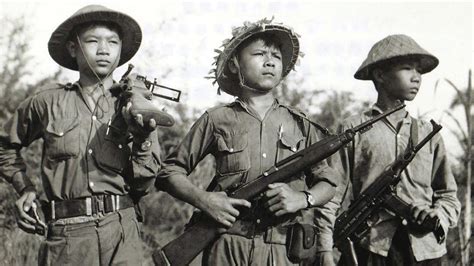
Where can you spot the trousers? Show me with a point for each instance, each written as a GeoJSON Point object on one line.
{"type": "Point", "coordinates": [113, 239]}
{"type": "Point", "coordinates": [238, 250]}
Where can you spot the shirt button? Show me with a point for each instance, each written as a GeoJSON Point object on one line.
{"type": "Point", "coordinates": [293, 149]}
{"type": "Point", "coordinates": [91, 184]}
{"type": "Point", "coordinates": [258, 221]}
{"type": "Point", "coordinates": [61, 134]}
{"type": "Point", "coordinates": [120, 146]}
{"type": "Point", "coordinates": [94, 117]}
{"type": "Point", "coordinates": [231, 149]}
{"type": "Point", "coordinates": [90, 151]}
{"type": "Point", "coordinates": [264, 155]}
{"type": "Point", "coordinates": [265, 173]}
{"type": "Point", "coordinates": [398, 136]}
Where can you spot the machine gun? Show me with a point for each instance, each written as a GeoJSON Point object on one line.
{"type": "Point", "coordinates": [140, 91]}
{"type": "Point", "coordinates": [186, 247]}
{"type": "Point", "coordinates": [353, 224]}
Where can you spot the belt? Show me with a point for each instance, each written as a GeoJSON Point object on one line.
{"type": "Point", "coordinates": [89, 206]}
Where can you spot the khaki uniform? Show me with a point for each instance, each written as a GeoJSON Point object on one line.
{"type": "Point", "coordinates": [82, 158]}
{"type": "Point", "coordinates": [244, 147]}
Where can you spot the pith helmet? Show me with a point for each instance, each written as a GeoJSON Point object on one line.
{"type": "Point", "coordinates": [131, 33]}
{"type": "Point", "coordinates": [290, 50]}
{"type": "Point", "coordinates": [395, 47]}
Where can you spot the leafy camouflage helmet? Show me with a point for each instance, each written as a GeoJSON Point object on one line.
{"type": "Point", "coordinates": [395, 47]}
{"type": "Point", "coordinates": [131, 33]}
{"type": "Point", "coordinates": [290, 51]}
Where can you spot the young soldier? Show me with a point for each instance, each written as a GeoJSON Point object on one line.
{"type": "Point", "coordinates": [89, 170]}
{"type": "Point", "coordinates": [247, 137]}
{"type": "Point", "coordinates": [395, 65]}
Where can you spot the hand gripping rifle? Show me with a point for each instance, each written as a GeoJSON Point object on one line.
{"type": "Point", "coordinates": [186, 247]}
{"type": "Point", "coordinates": [353, 224]}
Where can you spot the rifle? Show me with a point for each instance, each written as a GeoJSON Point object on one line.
{"type": "Point", "coordinates": [352, 225]}
{"type": "Point", "coordinates": [186, 247]}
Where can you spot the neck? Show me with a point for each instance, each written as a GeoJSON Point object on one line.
{"type": "Point", "coordinates": [386, 103]}
{"type": "Point", "coordinates": [90, 84]}
{"type": "Point", "coordinates": [258, 102]}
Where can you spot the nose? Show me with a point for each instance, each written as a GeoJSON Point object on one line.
{"type": "Point", "coordinates": [416, 76]}
{"type": "Point", "coordinates": [103, 48]}
{"type": "Point", "coordinates": [269, 62]}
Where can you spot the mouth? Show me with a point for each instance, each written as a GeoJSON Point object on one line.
{"type": "Point", "coordinates": [102, 62]}
{"type": "Point", "coordinates": [269, 74]}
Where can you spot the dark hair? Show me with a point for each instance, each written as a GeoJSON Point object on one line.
{"type": "Point", "coordinates": [78, 29]}
{"type": "Point", "coordinates": [269, 39]}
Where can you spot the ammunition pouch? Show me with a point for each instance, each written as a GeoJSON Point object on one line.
{"type": "Point", "coordinates": [300, 242]}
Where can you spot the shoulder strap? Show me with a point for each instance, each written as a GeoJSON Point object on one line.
{"type": "Point", "coordinates": [302, 116]}
{"type": "Point", "coordinates": [413, 133]}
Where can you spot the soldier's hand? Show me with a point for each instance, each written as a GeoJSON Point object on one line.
{"type": "Point", "coordinates": [420, 213]}
{"type": "Point", "coordinates": [282, 199]}
{"type": "Point", "coordinates": [23, 206]}
{"type": "Point", "coordinates": [222, 208]}
{"type": "Point", "coordinates": [137, 126]}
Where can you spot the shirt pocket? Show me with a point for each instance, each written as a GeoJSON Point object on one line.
{"type": "Point", "coordinates": [62, 139]}
{"type": "Point", "coordinates": [289, 145]}
{"type": "Point", "coordinates": [232, 153]}
{"type": "Point", "coordinates": [112, 155]}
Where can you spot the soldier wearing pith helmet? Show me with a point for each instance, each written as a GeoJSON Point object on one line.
{"type": "Point", "coordinates": [395, 65]}
{"type": "Point", "coordinates": [247, 137]}
{"type": "Point", "coordinates": [92, 174]}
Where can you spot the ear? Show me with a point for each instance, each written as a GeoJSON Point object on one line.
{"type": "Point", "coordinates": [378, 75]}
{"type": "Point", "coordinates": [71, 48]}
{"type": "Point", "coordinates": [232, 65]}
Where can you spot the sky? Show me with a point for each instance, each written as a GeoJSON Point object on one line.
{"type": "Point", "coordinates": [179, 38]}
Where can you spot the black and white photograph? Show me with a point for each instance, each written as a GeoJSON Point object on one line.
{"type": "Point", "coordinates": [239, 132]}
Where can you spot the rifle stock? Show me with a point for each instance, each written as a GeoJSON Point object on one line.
{"type": "Point", "coordinates": [354, 223]}
{"type": "Point", "coordinates": [186, 247]}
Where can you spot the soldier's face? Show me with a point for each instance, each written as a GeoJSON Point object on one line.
{"type": "Point", "coordinates": [402, 81]}
{"type": "Point", "coordinates": [97, 48]}
{"type": "Point", "coordinates": [261, 66]}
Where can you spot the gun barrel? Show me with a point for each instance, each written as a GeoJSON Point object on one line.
{"type": "Point", "coordinates": [377, 194]}
{"type": "Point", "coordinates": [369, 123]}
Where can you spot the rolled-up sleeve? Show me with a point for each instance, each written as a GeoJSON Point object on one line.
{"type": "Point", "coordinates": [321, 171]}
{"type": "Point", "coordinates": [192, 149]}
{"type": "Point", "coordinates": [145, 163]}
{"type": "Point", "coordinates": [18, 132]}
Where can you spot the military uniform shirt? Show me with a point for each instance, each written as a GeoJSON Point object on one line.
{"type": "Point", "coordinates": [427, 181]}
{"type": "Point", "coordinates": [82, 155]}
{"type": "Point", "coordinates": [245, 146]}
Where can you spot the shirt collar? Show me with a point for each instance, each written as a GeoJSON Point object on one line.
{"type": "Point", "coordinates": [376, 110]}
{"type": "Point", "coordinates": [244, 105]}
